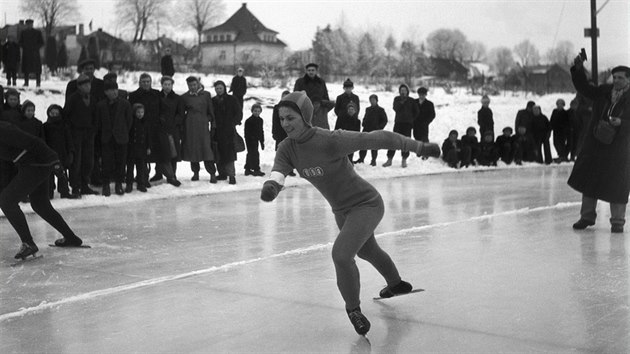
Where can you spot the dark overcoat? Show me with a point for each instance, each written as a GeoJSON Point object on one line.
{"type": "Point", "coordinates": [58, 137]}
{"type": "Point", "coordinates": [114, 120]}
{"type": "Point", "coordinates": [150, 99]}
{"type": "Point", "coordinates": [375, 119]}
{"type": "Point", "coordinates": [31, 41]}
{"type": "Point", "coordinates": [10, 56]}
{"type": "Point", "coordinates": [172, 119]}
{"type": "Point", "coordinates": [602, 171]}
{"type": "Point", "coordinates": [228, 114]}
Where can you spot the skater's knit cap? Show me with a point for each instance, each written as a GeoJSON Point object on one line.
{"type": "Point", "coordinates": [621, 68]}
{"type": "Point", "coordinates": [299, 102]}
{"type": "Point", "coordinates": [348, 83]}
{"type": "Point", "coordinates": [27, 104]}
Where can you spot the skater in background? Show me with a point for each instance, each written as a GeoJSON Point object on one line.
{"type": "Point", "coordinates": [320, 156]}
{"type": "Point", "coordinates": [59, 139]}
{"type": "Point", "coordinates": [12, 113]}
{"type": "Point", "coordinates": [453, 152]}
{"type": "Point", "coordinates": [35, 161]}
{"type": "Point", "coordinates": [541, 133]}
{"type": "Point", "coordinates": [484, 117]}
{"type": "Point", "coordinates": [425, 115]}
{"type": "Point", "coordinates": [238, 86]}
{"type": "Point", "coordinates": [254, 134]}
{"type": "Point", "coordinates": [406, 113]}
{"type": "Point", "coordinates": [277, 132]}
{"type": "Point", "coordinates": [505, 145]}
{"type": "Point", "coordinates": [375, 119]}
{"type": "Point", "coordinates": [561, 128]}
{"type": "Point", "coordinates": [602, 168]}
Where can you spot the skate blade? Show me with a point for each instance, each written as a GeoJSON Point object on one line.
{"type": "Point", "coordinates": [26, 259]}
{"type": "Point", "coordinates": [82, 246]}
{"type": "Point", "coordinates": [411, 292]}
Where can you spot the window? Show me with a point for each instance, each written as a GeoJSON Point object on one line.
{"type": "Point", "coordinates": [229, 37]}
{"type": "Point", "coordinates": [222, 38]}
{"type": "Point", "coordinates": [222, 55]}
{"type": "Point", "coordinates": [215, 38]}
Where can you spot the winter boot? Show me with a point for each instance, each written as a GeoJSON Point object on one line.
{"type": "Point", "coordinates": [221, 177]}
{"type": "Point", "coordinates": [360, 160]}
{"type": "Point", "coordinates": [85, 190]}
{"type": "Point", "coordinates": [583, 224]}
{"type": "Point", "coordinates": [173, 182]}
{"type": "Point", "coordinates": [404, 162]}
{"type": "Point", "coordinates": [157, 177]}
{"type": "Point", "coordinates": [616, 229]}
{"type": "Point", "coordinates": [142, 188]}
{"type": "Point", "coordinates": [195, 176]}
{"type": "Point", "coordinates": [401, 288]}
{"type": "Point", "coordinates": [248, 172]}
{"type": "Point", "coordinates": [373, 163]}
{"type": "Point", "coordinates": [73, 241]}
{"type": "Point", "coordinates": [129, 187]}
{"type": "Point", "coordinates": [118, 188]}
{"type": "Point", "coordinates": [26, 250]}
{"type": "Point", "coordinates": [388, 162]}
{"type": "Point", "coordinates": [258, 173]}
{"type": "Point", "coordinates": [213, 179]}
{"type": "Point", "coordinates": [232, 180]}
{"type": "Point", "coordinates": [106, 190]}
{"type": "Point", "coordinates": [359, 321]}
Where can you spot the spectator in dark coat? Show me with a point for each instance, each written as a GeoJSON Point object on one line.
{"type": "Point", "coordinates": [51, 54]}
{"type": "Point", "coordinates": [59, 139]}
{"type": "Point", "coordinates": [575, 128]}
{"type": "Point", "coordinates": [541, 133]}
{"type": "Point", "coordinates": [62, 55]}
{"type": "Point", "coordinates": [349, 121]}
{"type": "Point", "coordinates": [28, 122]}
{"type": "Point", "coordinates": [453, 153]}
{"type": "Point", "coordinates": [113, 77]}
{"type": "Point", "coordinates": [87, 67]}
{"type": "Point", "coordinates": [602, 170]}
{"type": "Point", "coordinates": [170, 123]}
{"type": "Point", "coordinates": [505, 145]}
{"type": "Point", "coordinates": [10, 60]}
{"type": "Point", "coordinates": [316, 90]}
{"type": "Point", "coordinates": [139, 150]}
{"type": "Point", "coordinates": [341, 103]}
{"type": "Point", "coordinates": [375, 119]}
{"type": "Point", "coordinates": [113, 116]}
{"type": "Point", "coordinates": [524, 118]}
{"type": "Point", "coordinates": [484, 117]}
{"type": "Point", "coordinates": [166, 63]}
{"type": "Point", "coordinates": [150, 100]}
{"type": "Point", "coordinates": [470, 141]}
{"type": "Point", "coordinates": [277, 132]}
{"type": "Point", "coordinates": [524, 147]}
{"type": "Point", "coordinates": [238, 86]}
{"type": "Point", "coordinates": [488, 152]}
{"type": "Point", "coordinates": [406, 110]}
{"type": "Point", "coordinates": [254, 135]}
{"type": "Point", "coordinates": [79, 114]}
{"type": "Point", "coordinates": [426, 114]}
{"type": "Point", "coordinates": [228, 114]}
{"type": "Point", "coordinates": [561, 128]}
{"type": "Point", "coordinates": [31, 41]}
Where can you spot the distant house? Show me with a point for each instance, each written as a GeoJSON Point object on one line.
{"type": "Point", "coordinates": [548, 79]}
{"type": "Point", "coordinates": [242, 40]}
{"type": "Point", "coordinates": [149, 53]}
{"type": "Point", "coordinates": [112, 51]}
{"type": "Point", "coordinates": [447, 69]}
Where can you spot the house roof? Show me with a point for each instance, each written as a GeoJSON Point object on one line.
{"type": "Point", "coordinates": [246, 26]}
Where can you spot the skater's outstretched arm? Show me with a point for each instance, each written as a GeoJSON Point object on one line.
{"type": "Point", "coordinates": [272, 186]}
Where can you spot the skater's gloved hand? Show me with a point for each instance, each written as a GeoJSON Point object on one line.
{"type": "Point", "coordinates": [270, 190]}
{"type": "Point", "coordinates": [429, 150]}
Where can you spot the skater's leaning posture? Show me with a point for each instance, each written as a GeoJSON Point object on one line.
{"type": "Point", "coordinates": [35, 161]}
{"type": "Point", "coordinates": [321, 157]}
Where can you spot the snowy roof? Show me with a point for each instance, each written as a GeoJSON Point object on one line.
{"type": "Point", "coordinates": [246, 26]}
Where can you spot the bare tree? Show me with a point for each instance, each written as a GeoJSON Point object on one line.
{"type": "Point", "coordinates": [50, 12]}
{"type": "Point", "coordinates": [501, 60]}
{"type": "Point", "coordinates": [390, 47]}
{"type": "Point", "coordinates": [447, 44]}
{"type": "Point", "coordinates": [527, 53]}
{"type": "Point", "coordinates": [139, 14]}
{"type": "Point", "coordinates": [562, 53]}
{"type": "Point", "coordinates": [475, 51]}
{"type": "Point", "coordinates": [200, 14]}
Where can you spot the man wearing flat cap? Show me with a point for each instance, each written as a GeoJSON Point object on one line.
{"type": "Point", "coordinates": [316, 90]}
{"type": "Point", "coordinates": [31, 41]}
{"type": "Point", "coordinates": [602, 169]}
{"type": "Point", "coordinates": [87, 67]}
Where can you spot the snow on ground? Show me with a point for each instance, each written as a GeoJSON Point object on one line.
{"type": "Point", "coordinates": [454, 111]}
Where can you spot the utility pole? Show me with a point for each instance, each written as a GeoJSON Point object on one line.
{"type": "Point", "coordinates": [594, 34]}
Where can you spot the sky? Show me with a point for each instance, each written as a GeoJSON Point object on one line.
{"type": "Point", "coordinates": [492, 22]}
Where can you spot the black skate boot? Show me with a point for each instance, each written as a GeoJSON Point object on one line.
{"type": "Point", "coordinates": [401, 288]}
{"type": "Point", "coordinates": [27, 250]}
{"type": "Point", "coordinates": [359, 321]}
{"type": "Point", "coordinates": [73, 241]}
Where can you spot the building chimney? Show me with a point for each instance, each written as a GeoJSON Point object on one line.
{"type": "Point", "coordinates": [100, 30]}
{"type": "Point", "coordinates": [244, 4]}
{"type": "Point", "coordinates": [81, 33]}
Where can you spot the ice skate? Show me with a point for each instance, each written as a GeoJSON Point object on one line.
{"type": "Point", "coordinates": [387, 163]}
{"type": "Point", "coordinates": [68, 242]}
{"type": "Point", "coordinates": [359, 321]}
{"type": "Point", "coordinates": [27, 250]}
{"type": "Point", "coordinates": [401, 288]}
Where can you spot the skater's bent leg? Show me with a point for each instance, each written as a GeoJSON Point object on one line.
{"type": "Point", "coordinates": [356, 227]}
{"type": "Point", "coordinates": [19, 187]}
{"type": "Point", "coordinates": [42, 207]}
{"type": "Point", "coordinates": [379, 259]}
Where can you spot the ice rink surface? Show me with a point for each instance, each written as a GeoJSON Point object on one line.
{"type": "Point", "coordinates": [502, 269]}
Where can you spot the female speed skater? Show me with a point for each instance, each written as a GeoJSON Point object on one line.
{"type": "Point", "coordinates": [321, 157]}
{"type": "Point", "coordinates": [35, 162]}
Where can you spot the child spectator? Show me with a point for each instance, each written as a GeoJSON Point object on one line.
{"type": "Point", "coordinates": [484, 117]}
{"type": "Point", "coordinates": [12, 110]}
{"type": "Point", "coordinates": [113, 115]}
{"type": "Point", "coordinates": [453, 153]}
{"type": "Point", "coordinates": [349, 120]}
{"type": "Point", "coordinates": [59, 139]}
{"type": "Point", "coordinates": [505, 145]}
{"type": "Point", "coordinates": [524, 147]}
{"type": "Point", "coordinates": [488, 154]}
{"type": "Point", "coordinates": [342, 101]}
{"type": "Point", "coordinates": [561, 130]}
{"type": "Point", "coordinates": [541, 130]}
{"type": "Point", "coordinates": [253, 135]}
{"type": "Point", "coordinates": [138, 149]}
{"type": "Point", "coordinates": [28, 122]}
{"type": "Point", "coordinates": [375, 119]}
{"type": "Point", "coordinates": [469, 141]}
